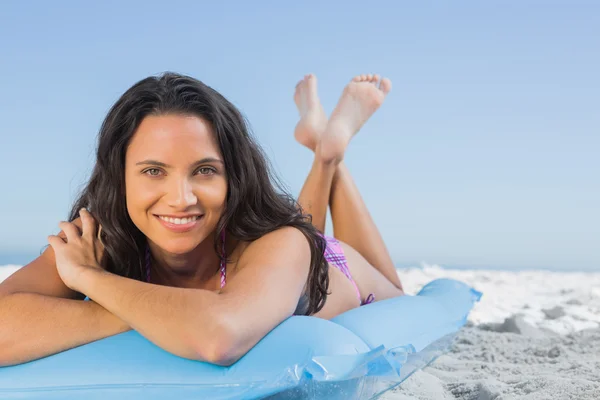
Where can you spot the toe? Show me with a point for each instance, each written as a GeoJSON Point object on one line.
{"type": "Point", "coordinates": [376, 78]}
{"type": "Point", "coordinates": [311, 83]}
{"type": "Point", "coordinates": [363, 77]}
{"type": "Point", "coordinates": [385, 85]}
{"type": "Point", "coordinates": [356, 78]}
{"type": "Point", "coordinates": [370, 77]}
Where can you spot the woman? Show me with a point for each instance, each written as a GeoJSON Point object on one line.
{"type": "Point", "coordinates": [196, 249]}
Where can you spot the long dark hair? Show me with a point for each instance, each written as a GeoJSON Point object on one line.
{"type": "Point", "coordinates": [256, 201]}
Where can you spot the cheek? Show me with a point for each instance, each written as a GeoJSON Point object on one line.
{"type": "Point", "coordinates": [138, 197]}
{"type": "Point", "coordinates": [213, 195]}
{"type": "Point", "coordinates": [222, 195]}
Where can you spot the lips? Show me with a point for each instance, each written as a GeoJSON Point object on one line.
{"type": "Point", "coordinates": [179, 228]}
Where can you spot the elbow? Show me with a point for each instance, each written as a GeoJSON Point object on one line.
{"type": "Point", "coordinates": [9, 362]}
{"type": "Point", "coordinates": [7, 344]}
{"type": "Point", "coordinates": [224, 356]}
{"type": "Point", "coordinates": [9, 353]}
{"type": "Point", "coordinates": [222, 347]}
{"type": "Point", "coordinates": [4, 359]}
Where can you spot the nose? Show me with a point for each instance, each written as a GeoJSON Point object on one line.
{"type": "Point", "coordinates": [182, 194]}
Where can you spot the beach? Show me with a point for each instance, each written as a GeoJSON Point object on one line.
{"type": "Point", "coordinates": [533, 335]}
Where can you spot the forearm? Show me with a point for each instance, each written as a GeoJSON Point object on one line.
{"type": "Point", "coordinates": [35, 326]}
{"type": "Point", "coordinates": [185, 322]}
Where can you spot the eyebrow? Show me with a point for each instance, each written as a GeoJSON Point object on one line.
{"type": "Point", "coordinates": [161, 164]}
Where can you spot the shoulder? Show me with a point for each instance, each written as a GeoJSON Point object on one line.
{"type": "Point", "coordinates": [285, 244]}
{"type": "Point", "coordinates": [284, 237]}
{"type": "Point", "coordinates": [286, 234]}
{"type": "Point", "coordinates": [41, 276]}
{"type": "Point", "coordinates": [276, 265]}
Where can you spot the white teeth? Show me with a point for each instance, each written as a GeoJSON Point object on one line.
{"type": "Point", "coordinates": [178, 221]}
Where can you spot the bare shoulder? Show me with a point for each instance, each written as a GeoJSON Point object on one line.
{"type": "Point", "coordinates": [40, 276]}
{"type": "Point", "coordinates": [286, 241]}
{"type": "Point", "coordinates": [289, 234]}
{"type": "Point", "coordinates": [282, 255]}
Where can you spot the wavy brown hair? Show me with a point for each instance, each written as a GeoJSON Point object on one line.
{"type": "Point", "coordinates": [256, 204]}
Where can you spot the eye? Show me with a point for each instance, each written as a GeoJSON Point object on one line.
{"type": "Point", "coordinates": [206, 170]}
{"type": "Point", "coordinates": [150, 170]}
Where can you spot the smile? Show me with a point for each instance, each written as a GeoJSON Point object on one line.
{"type": "Point", "coordinates": [179, 224]}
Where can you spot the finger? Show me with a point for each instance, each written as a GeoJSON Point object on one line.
{"type": "Point", "coordinates": [88, 223]}
{"type": "Point", "coordinates": [70, 230]}
{"type": "Point", "coordinates": [55, 241]}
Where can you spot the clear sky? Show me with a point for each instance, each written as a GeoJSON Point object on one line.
{"type": "Point", "coordinates": [486, 153]}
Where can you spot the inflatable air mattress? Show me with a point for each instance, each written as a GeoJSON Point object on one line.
{"type": "Point", "coordinates": [357, 355]}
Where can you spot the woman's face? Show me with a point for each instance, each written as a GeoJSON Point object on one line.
{"type": "Point", "coordinates": [174, 168]}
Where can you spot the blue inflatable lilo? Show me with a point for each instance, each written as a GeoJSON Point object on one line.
{"type": "Point", "coordinates": [357, 355]}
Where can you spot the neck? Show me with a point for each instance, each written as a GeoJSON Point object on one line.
{"type": "Point", "coordinates": [190, 270]}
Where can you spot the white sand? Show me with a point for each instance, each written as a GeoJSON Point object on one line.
{"type": "Point", "coordinates": [534, 335]}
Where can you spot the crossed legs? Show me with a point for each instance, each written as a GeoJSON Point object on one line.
{"type": "Point", "coordinates": [329, 182]}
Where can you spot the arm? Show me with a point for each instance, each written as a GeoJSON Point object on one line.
{"type": "Point", "coordinates": [33, 300]}
{"type": "Point", "coordinates": [38, 326]}
{"type": "Point", "coordinates": [207, 326]}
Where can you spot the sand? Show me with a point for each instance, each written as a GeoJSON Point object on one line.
{"type": "Point", "coordinates": [534, 335]}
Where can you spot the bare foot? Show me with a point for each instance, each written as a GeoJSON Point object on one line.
{"type": "Point", "coordinates": [312, 116]}
{"type": "Point", "coordinates": [360, 99]}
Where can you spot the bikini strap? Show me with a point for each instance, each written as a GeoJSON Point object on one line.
{"type": "Point", "coordinates": [147, 263]}
{"type": "Point", "coordinates": [223, 260]}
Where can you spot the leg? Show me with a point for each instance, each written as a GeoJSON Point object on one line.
{"type": "Point", "coordinates": [315, 193]}
{"type": "Point", "coordinates": [353, 224]}
{"type": "Point", "coordinates": [314, 196]}
{"type": "Point", "coordinates": [351, 219]}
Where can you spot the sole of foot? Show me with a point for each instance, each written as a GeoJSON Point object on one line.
{"type": "Point", "coordinates": [360, 99]}
{"type": "Point", "coordinates": [313, 120]}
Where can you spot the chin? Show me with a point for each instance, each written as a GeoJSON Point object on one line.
{"type": "Point", "coordinates": [178, 246]}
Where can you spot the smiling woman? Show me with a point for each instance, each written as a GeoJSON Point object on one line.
{"type": "Point", "coordinates": [183, 234]}
{"type": "Point", "coordinates": [165, 181]}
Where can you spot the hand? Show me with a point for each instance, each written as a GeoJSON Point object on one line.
{"type": "Point", "coordinates": [80, 252]}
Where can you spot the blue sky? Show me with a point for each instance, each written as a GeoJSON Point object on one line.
{"type": "Point", "coordinates": [484, 154]}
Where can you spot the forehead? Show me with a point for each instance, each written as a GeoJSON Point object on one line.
{"type": "Point", "coordinates": [175, 136]}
